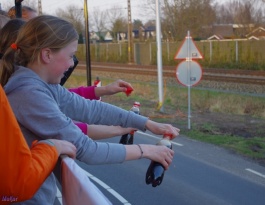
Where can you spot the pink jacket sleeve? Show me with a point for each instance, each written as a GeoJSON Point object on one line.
{"type": "Point", "coordinates": [86, 92]}
{"type": "Point", "coordinates": [82, 126]}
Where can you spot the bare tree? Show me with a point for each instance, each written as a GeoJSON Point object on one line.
{"type": "Point", "coordinates": [223, 15]}
{"type": "Point", "coordinates": [73, 14]}
{"type": "Point", "coordinates": [99, 21]}
{"type": "Point", "coordinates": [246, 14]}
{"type": "Point", "coordinates": [244, 11]}
{"type": "Point", "coordinates": [137, 23]}
{"type": "Point", "coordinates": [117, 21]}
{"type": "Point", "coordinates": [180, 16]}
{"type": "Point", "coordinates": [148, 9]}
{"type": "Point", "coordinates": [120, 25]}
{"type": "Point", "coordinates": [116, 12]}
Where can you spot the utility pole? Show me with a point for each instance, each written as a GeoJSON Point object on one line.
{"type": "Point", "coordinates": [18, 8]}
{"type": "Point", "coordinates": [129, 37]}
{"type": "Point", "coordinates": [39, 7]}
{"type": "Point", "coordinates": [88, 62]}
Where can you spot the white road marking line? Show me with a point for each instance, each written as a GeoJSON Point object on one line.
{"type": "Point", "coordinates": [109, 189]}
{"type": "Point", "coordinates": [104, 185]}
{"type": "Point", "coordinates": [149, 135]}
{"type": "Point", "coordinates": [59, 195]}
{"type": "Point", "coordinates": [101, 183]}
{"type": "Point", "coordinates": [255, 172]}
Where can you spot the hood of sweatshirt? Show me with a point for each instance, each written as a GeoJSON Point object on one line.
{"type": "Point", "coordinates": [22, 77]}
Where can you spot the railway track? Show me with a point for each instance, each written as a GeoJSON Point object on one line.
{"type": "Point", "coordinates": [221, 75]}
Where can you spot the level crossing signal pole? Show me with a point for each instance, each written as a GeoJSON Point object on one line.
{"type": "Point", "coordinates": [188, 72]}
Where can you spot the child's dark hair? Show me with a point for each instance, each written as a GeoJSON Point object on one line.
{"type": "Point", "coordinates": [9, 32]}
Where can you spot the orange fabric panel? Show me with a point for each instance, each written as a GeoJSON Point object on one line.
{"type": "Point", "coordinates": [22, 170]}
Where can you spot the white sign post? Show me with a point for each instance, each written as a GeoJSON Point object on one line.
{"type": "Point", "coordinates": [188, 72]}
{"type": "Point", "coordinates": [159, 57]}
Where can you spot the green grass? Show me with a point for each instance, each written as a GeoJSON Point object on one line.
{"type": "Point", "coordinates": [252, 147]}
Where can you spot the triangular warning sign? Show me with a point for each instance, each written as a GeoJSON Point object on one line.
{"type": "Point", "coordinates": [188, 49]}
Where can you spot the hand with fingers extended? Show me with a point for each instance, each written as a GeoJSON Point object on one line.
{"type": "Point", "coordinates": [113, 88]}
{"type": "Point", "coordinates": [162, 129]}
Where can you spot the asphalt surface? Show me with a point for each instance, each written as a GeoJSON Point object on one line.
{"type": "Point", "coordinates": [200, 174]}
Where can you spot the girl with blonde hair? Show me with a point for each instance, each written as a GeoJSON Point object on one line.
{"type": "Point", "coordinates": [43, 51]}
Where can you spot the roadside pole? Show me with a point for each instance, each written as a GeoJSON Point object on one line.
{"type": "Point", "coordinates": [88, 62]}
{"type": "Point", "coordinates": [159, 57]}
{"type": "Point", "coordinates": [189, 76]}
{"type": "Point", "coordinates": [188, 72]}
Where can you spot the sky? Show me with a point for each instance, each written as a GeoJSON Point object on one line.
{"type": "Point", "coordinates": [96, 4]}
{"type": "Point", "coordinates": [136, 5]}
{"type": "Point", "coordinates": [50, 6]}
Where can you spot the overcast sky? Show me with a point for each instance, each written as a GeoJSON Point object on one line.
{"type": "Point", "coordinates": [50, 6]}
{"type": "Point", "coordinates": [136, 5]}
{"type": "Point", "coordinates": [92, 4]}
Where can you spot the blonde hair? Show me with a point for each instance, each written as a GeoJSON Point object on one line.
{"type": "Point", "coordinates": [41, 32]}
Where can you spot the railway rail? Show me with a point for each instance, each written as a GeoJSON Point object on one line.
{"type": "Point", "coordinates": [221, 75]}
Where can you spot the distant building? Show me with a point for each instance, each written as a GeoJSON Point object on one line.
{"type": "Point", "coordinates": [122, 36]}
{"type": "Point", "coordinates": [256, 34]}
{"type": "Point", "coordinates": [231, 32]}
{"type": "Point", "coordinates": [94, 37]}
{"type": "Point", "coordinates": [215, 37]}
{"type": "Point", "coordinates": [223, 31]}
{"type": "Point", "coordinates": [100, 36]}
{"type": "Point", "coordinates": [107, 36]}
{"type": "Point", "coordinates": [141, 33]}
{"type": "Point", "coordinates": [150, 32]}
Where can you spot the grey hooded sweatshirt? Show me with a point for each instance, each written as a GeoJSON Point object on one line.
{"type": "Point", "coordinates": [46, 111]}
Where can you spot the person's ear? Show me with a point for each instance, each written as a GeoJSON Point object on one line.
{"type": "Point", "coordinates": [46, 55]}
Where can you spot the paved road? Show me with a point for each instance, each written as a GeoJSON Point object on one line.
{"type": "Point", "coordinates": [200, 174]}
